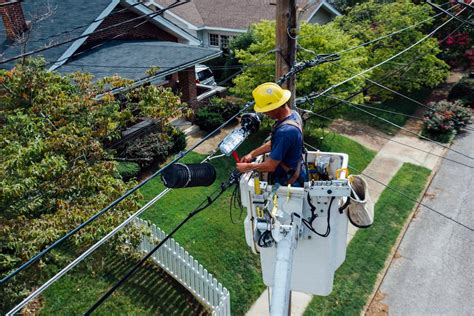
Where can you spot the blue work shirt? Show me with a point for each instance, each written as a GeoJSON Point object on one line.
{"type": "Point", "coordinates": [287, 146]}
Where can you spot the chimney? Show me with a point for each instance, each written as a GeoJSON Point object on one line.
{"type": "Point", "coordinates": [13, 18]}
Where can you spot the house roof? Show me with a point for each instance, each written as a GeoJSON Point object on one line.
{"type": "Point", "coordinates": [234, 14]}
{"type": "Point", "coordinates": [71, 17]}
{"type": "Point", "coordinates": [115, 58]}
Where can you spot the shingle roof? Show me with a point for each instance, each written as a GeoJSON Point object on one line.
{"type": "Point", "coordinates": [115, 58]}
{"type": "Point", "coordinates": [67, 15]}
{"type": "Point", "coordinates": [231, 14]}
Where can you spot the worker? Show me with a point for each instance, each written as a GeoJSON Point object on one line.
{"type": "Point", "coordinates": [286, 144]}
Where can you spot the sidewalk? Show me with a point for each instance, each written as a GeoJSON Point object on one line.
{"type": "Point", "coordinates": [432, 273]}
{"type": "Point", "coordinates": [383, 167]}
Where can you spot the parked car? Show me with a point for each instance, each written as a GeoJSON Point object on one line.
{"type": "Point", "coordinates": [204, 75]}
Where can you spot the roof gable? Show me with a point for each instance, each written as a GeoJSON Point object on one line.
{"type": "Point", "coordinates": [235, 14]}
{"type": "Point", "coordinates": [59, 20]}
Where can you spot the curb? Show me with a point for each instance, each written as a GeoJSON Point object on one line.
{"type": "Point", "coordinates": [396, 246]}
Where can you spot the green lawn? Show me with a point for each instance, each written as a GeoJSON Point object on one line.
{"type": "Point", "coordinates": [367, 252]}
{"type": "Point", "coordinates": [211, 237]}
{"type": "Point", "coordinates": [397, 104]}
{"type": "Point", "coordinates": [149, 292]}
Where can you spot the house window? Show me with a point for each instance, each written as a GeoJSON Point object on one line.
{"type": "Point", "coordinates": [214, 39]}
{"type": "Point", "coordinates": [224, 41]}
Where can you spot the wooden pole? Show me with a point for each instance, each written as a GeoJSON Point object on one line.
{"type": "Point", "coordinates": [286, 26]}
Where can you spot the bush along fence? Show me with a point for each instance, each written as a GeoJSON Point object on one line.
{"type": "Point", "coordinates": [180, 265]}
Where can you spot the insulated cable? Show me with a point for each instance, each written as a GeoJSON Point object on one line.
{"type": "Point", "coordinates": [393, 33]}
{"type": "Point", "coordinates": [317, 95]}
{"type": "Point", "coordinates": [234, 179]}
{"type": "Point", "coordinates": [39, 50]}
{"type": "Point", "coordinates": [394, 91]}
{"type": "Point", "coordinates": [39, 255]}
{"type": "Point", "coordinates": [315, 114]}
{"type": "Point", "coordinates": [355, 106]}
{"type": "Point", "coordinates": [407, 196]}
{"type": "Point", "coordinates": [95, 246]}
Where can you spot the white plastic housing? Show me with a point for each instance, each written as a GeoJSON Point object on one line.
{"type": "Point", "coordinates": [316, 258]}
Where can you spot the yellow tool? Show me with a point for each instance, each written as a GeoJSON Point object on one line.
{"type": "Point", "coordinates": [339, 171]}
{"type": "Point", "coordinates": [256, 183]}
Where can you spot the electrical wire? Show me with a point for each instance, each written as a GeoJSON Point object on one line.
{"type": "Point", "coordinates": [42, 39]}
{"type": "Point", "coordinates": [141, 184]}
{"type": "Point", "coordinates": [94, 247]}
{"type": "Point", "coordinates": [319, 94]}
{"type": "Point", "coordinates": [234, 178]}
{"type": "Point", "coordinates": [406, 196]}
{"type": "Point", "coordinates": [39, 50]}
{"type": "Point", "coordinates": [392, 34]}
{"type": "Point", "coordinates": [313, 114]}
{"type": "Point", "coordinates": [395, 92]}
{"type": "Point", "coordinates": [314, 216]}
{"type": "Point", "coordinates": [448, 13]}
{"type": "Point", "coordinates": [387, 76]}
{"type": "Point", "coordinates": [355, 106]}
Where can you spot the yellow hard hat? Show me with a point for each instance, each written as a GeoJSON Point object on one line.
{"type": "Point", "coordinates": [269, 96]}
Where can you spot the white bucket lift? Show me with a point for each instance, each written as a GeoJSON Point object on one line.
{"type": "Point", "coordinates": [300, 233]}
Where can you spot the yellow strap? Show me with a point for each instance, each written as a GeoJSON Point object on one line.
{"type": "Point", "coordinates": [256, 183]}
{"type": "Point", "coordinates": [339, 171]}
{"type": "Point", "coordinates": [275, 205]}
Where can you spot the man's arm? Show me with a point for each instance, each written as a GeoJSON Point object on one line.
{"type": "Point", "coordinates": [269, 165]}
{"type": "Point", "coordinates": [265, 148]}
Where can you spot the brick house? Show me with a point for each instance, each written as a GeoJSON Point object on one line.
{"type": "Point", "coordinates": [215, 22]}
{"type": "Point", "coordinates": [127, 49]}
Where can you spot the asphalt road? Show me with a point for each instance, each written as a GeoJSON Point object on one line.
{"type": "Point", "coordinates": [435, 273]}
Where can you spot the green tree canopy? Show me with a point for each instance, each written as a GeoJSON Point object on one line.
{"type": "Point", "coordinates": [321, 39]}
{"type": "Point", "coordinates": [418, 67]}
{"type": "Point", "coordinates": [55, 172]}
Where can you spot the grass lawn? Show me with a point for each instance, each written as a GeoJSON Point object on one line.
{"type": "Point", "coordinates": [211, 237]}
{"type": "Point", "coordinates": [368, 250]}
{"type": "Point", "coordinates": [397, 104]}
{"type": "Point", "coordinates": [149, 292]}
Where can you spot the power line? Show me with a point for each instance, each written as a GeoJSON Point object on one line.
{"type": "Point", "coordinates": [95, 246]}
{"type": "Point", "coordinates": [39, 50]}
{"type": "Point", "coordinates": [396, 92]}
{"type": "Point", "coordinates": [387, 76]}
{"type": "Point", "coordinates": [354, 105]}
{"type": "Point", "coordinates": [83, 25]}
{"type": "Point", "coordinates": [206, 203]}
{"type": "Point", "coordinates": [406, 196]}
{"type": "Point", "coordinates": [393, 33]}
{"type": "Point", "coordinates": [385, 61]}
{"type": "Point", "coordinates": [448, 13]}
{"type": "Point", "coordinates": [141, 184]}
{"type": "Point", "coordinates": [312, 114]}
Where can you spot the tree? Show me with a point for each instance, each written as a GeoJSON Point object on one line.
{"type": "Point", "coordinates": [321, 39]}
{"type": "Point", "coordinates": [55, 172]}
{"type": "Point", "coordinates": [417, 68]}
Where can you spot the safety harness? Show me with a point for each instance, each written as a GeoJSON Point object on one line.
{"type": "Point", "coordinates": [293, 173]}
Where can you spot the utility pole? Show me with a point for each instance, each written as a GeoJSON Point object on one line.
{"type": "Point", "coordinates": [286, 29]}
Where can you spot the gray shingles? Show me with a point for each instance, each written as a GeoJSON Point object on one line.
{"type": "Point", "coordinates": [130, 59]}
{"type": "Point", "coordinates": [67, 15]}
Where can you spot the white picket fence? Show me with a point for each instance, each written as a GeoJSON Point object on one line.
{"type": "Point", "coordinates": [179, 264]}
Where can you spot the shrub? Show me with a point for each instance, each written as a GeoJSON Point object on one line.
{"type": "Point", "coordinates": [444, 119]}
{"type": "Point", "coordinates": [217, 111]}
{"type": "Point", "coordinates": [179, 140]}
{"type": "Point", "coordinates": [463, 91]}
{"type": "Point", "coordinates": [156, 146]}
{"type": "Point", "coordinates": [128, 169]}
